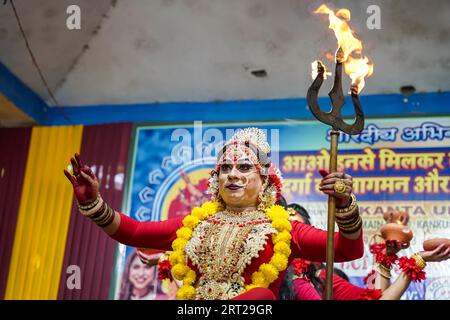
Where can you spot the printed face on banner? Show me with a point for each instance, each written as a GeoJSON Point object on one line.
{"type": "Point", "coordinates": [396, 165]}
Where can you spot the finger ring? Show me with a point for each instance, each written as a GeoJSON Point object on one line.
{"type": "Point", "coordinates": [339, 186]}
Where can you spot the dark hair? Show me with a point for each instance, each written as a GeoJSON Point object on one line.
{"type": "Point", "coordinates": [282, 202]}
{"type": "Point", "coordinates": [341, 274]}
{"type": "Point", "coordinates": [287, 291]}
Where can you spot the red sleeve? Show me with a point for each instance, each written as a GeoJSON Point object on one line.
{"type": "Point", "coordinates": [256, 294]}
{"type": "Point", "coordinates": [344, 290]}
{"type": "Point", "coordinates": [310, 243]}
{"type": "Point", "coordinates": [151, 235]}
{"type": "Point", "coordinates": [304, 290]}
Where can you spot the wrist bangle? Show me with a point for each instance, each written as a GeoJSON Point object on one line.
{"type": "Point", "coordinates": [89, 205]}
{"type": "Point", "coordinates": [420, 262]}
{"type": "Point", "coordinates": [353, 205]}
{"type": "Point", "coordinates": [352, 228]}
{"type": "Point", "coordinates": [384, 272]}
{"type": "Point", "coordinates": [90, 212]}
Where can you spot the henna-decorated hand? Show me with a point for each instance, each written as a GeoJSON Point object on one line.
{"type": "Point", "coordinates": [327, 187]}
{"type": "Point", "coordinates": [85, 183]}
{"type": "Point", "coordinates": [394, 246]}
{"type": "Point", "coordinates": [441, 253]}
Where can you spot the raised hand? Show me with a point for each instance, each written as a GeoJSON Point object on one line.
{"type": "Point", "coordinates": [327, 186]}
{"type": "Point", "coordinates": [441, 253]}
{"type": "Point", "coordinates": [85, 183]}
{"type": "Point", "coordinates": [394, 246]}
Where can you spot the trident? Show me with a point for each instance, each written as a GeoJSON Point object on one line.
{"type": "Point", "coordinates": [334, 119]}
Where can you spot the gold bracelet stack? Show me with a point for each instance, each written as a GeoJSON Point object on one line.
{"type": "Point", "coordinates": [420, 262]}
{"type": "Point", "coordinates": [98, 211]}
{"type": "Point", "coordinates": [348, 219]}
{"type": "Point", "coordinates": [384, 271]}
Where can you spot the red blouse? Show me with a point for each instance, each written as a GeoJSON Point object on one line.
{"type": "Point", "coordinates": [307, 242]}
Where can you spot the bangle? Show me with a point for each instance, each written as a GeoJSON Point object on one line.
{"type": "Point", "coordinates": [93, 210]}
{"type": "Point", "coordinates": [99, 212]}
{"type": "Point", "coordinates": [89, 205]}
{"type": "Point", "coordinates": [348, 222]}
{"type": "Point", "coordinates": [351, 228]}
{"type": "Point", "coordinates": [384, 272]}
{"type": "Point", "coordinates": [420, 262]}
{"type": "Point", "coordinates": [353, 205]}
{"type": "Point", "coordinates": [110, 219]}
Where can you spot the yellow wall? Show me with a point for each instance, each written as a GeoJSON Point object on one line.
{"type": "Point", "coordinates": [44, 214]}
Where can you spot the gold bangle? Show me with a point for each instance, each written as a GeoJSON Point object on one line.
{"type": "Point", "coordinates": [351, 207]}
{"type": "Point", "coordinates": [348, 221]}
{"type": "Point", "coordinates": [357, 227]}
{"type": "Point", "coordinates": [383, 272]}
{"type": "Point", "coordinates": [350, 225]}
{"type": "Point", "coordinates": [382, 266]}
{"type": "Point", "coordinates": [420, 262]}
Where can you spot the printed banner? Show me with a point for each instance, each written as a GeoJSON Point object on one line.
{"type": "Point", "coordinates": [396, 164]}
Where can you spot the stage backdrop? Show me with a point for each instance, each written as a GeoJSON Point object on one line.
{"type": "Point", "coordinates": [400, 164]}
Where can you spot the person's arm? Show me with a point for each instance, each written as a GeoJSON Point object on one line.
{"type": "Point", "coordinates": [154, 235]}
{"type": "Point", "coordinates": [401, 284]}
{"type": "Point", "coordinates": [382, 279]}
{"type": "Point", "coordinates": [310, 243]}
{"type": "Point", "coordinates": [347, 212]}
{"type": "Point", "coordinates": [344, 290]}
{"type": "Point", "coordinates": [304, 290]}
{"type": "Point", "coordinates": [387, 252]}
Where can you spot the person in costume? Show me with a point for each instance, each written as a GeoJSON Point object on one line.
{"type": "Point", "coordinates": [239, 244]}
{"type": "Point", "coordinates": [305, 280]}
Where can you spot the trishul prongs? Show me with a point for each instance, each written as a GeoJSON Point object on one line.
{"type": "Point", "coordinates": [334, 116]}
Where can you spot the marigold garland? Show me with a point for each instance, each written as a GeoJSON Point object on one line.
{"type": "Point", "coordinates": [267, 272]}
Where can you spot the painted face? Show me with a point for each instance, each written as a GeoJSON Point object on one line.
{"type": "Point", "coordinates": [240, 180]}
{"type": "Point", "coordinates": [141, 275]}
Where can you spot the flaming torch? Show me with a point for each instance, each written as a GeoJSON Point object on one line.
{"type": "Point", "coordinates": [357, 67]}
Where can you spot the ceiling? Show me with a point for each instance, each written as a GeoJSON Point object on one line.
{"type": "Point", "coordinates": [141, 51]}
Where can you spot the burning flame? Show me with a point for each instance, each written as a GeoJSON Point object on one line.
{"type": "Point", "coordinates": [356, 67]}
{"type": "Point", "coordinates": [315, 69]}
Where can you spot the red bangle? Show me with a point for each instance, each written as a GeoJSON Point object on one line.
{"type": "Point", "coordinates": [409, 267]}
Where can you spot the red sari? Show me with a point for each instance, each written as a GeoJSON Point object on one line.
{"type": "Point", "coordinates": [307, 243]}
